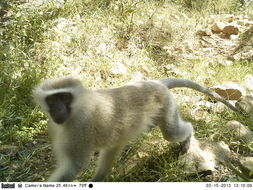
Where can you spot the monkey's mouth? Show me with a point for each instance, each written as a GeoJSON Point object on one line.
{"type": "Point", "coordinates": [59, 117]}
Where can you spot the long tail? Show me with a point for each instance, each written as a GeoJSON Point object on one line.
{"type": "Point", "coordinates": [177, 83]}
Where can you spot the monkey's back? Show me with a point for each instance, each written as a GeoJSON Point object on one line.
{"type": "Point", "coordinates": [127, 111]}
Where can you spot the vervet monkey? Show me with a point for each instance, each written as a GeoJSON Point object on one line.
{"type": "Point", "coordinates": [83, 120]}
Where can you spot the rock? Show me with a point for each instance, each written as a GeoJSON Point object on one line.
{"type": "Point", "coordinates": [230, 29]}
{"type": "Point", "coordinates": [239, 131]}
{"type": "Point", "coordinates": [247, 162]}
{"type": "Point", "coordinates": [219, 149]}
{"type": "Point", "coordinates": [245, 103]}
{"type": "Point", "coordinates": [118, 69]}
{"type": "Point", "coordinates": [228, 62]}
{"type": "Point", "coordinates": [217, 107]}
{"type": "Point", "coordinates": [184, 15]}
{"type": "Point", "coordinates": [175, 16]}
{"type": "Point", "coordinates": [218, 27]}
{"type": "Point", "coordinates": [244, 22]}
{"type": "Point", "coordinates": [220, 107]}
{"type": "Point", "coordinates": [224, 36]}
{"type": "Point", "coordinates": [241, 22]}
{"type": "Point", "coordinates": [236, 56]}
{"type": "Point", "coordinates": [229, 18]}
{"type": "Point", "coordinates": [234, 37]}
{"type": "Point", "coordinates": [248, 81]}
{"type": "Point", "coordinates": [196, 160]}
{"type": "Point", "coordinates": [229, 91]}
{"type": "Point", "coordinates": [202, 33]}
{"type": "Point", "coordinates": [204, 156]}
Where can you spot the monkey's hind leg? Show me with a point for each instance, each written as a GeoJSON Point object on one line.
{"type": "Point", "coordinates": [181, 133]}
{"type": "Point", "coordinates": [174, 128]}
{"type": "Point", "coordinates": [105, 162]}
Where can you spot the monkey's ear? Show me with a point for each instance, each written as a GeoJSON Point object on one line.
{"type": "Point", "coordinates": [59, 106]}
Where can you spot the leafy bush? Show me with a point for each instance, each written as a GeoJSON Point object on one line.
{"type": "Point", "coordinates": [20, 70]}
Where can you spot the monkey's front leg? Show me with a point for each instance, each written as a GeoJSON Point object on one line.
{"type": "Point", "coordinates": [68, 167]}
{"type": "Point", "coordinates": [65, 172]}
{"type": "Point", "coordinates": [105, 162]}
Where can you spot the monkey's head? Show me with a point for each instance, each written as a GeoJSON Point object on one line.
{"type": "Point", "coordinates": [59, 106]}
{"type": "Point", "coordinates": [56, 96]}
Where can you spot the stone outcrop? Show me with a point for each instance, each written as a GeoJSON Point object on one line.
{"type": "Point", "coordinates": [230, 91]}
{"type": "Point", "coordinates": [245, 103]}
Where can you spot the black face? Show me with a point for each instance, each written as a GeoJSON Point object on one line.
{"type": "Point", "coordinates": [59, 106]}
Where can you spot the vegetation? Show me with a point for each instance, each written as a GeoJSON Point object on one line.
{"type": "Point", "coordinates": [86, 39]}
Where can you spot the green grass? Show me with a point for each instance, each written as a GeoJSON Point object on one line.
{"type": "Point", "coordinates": [85, 39]}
